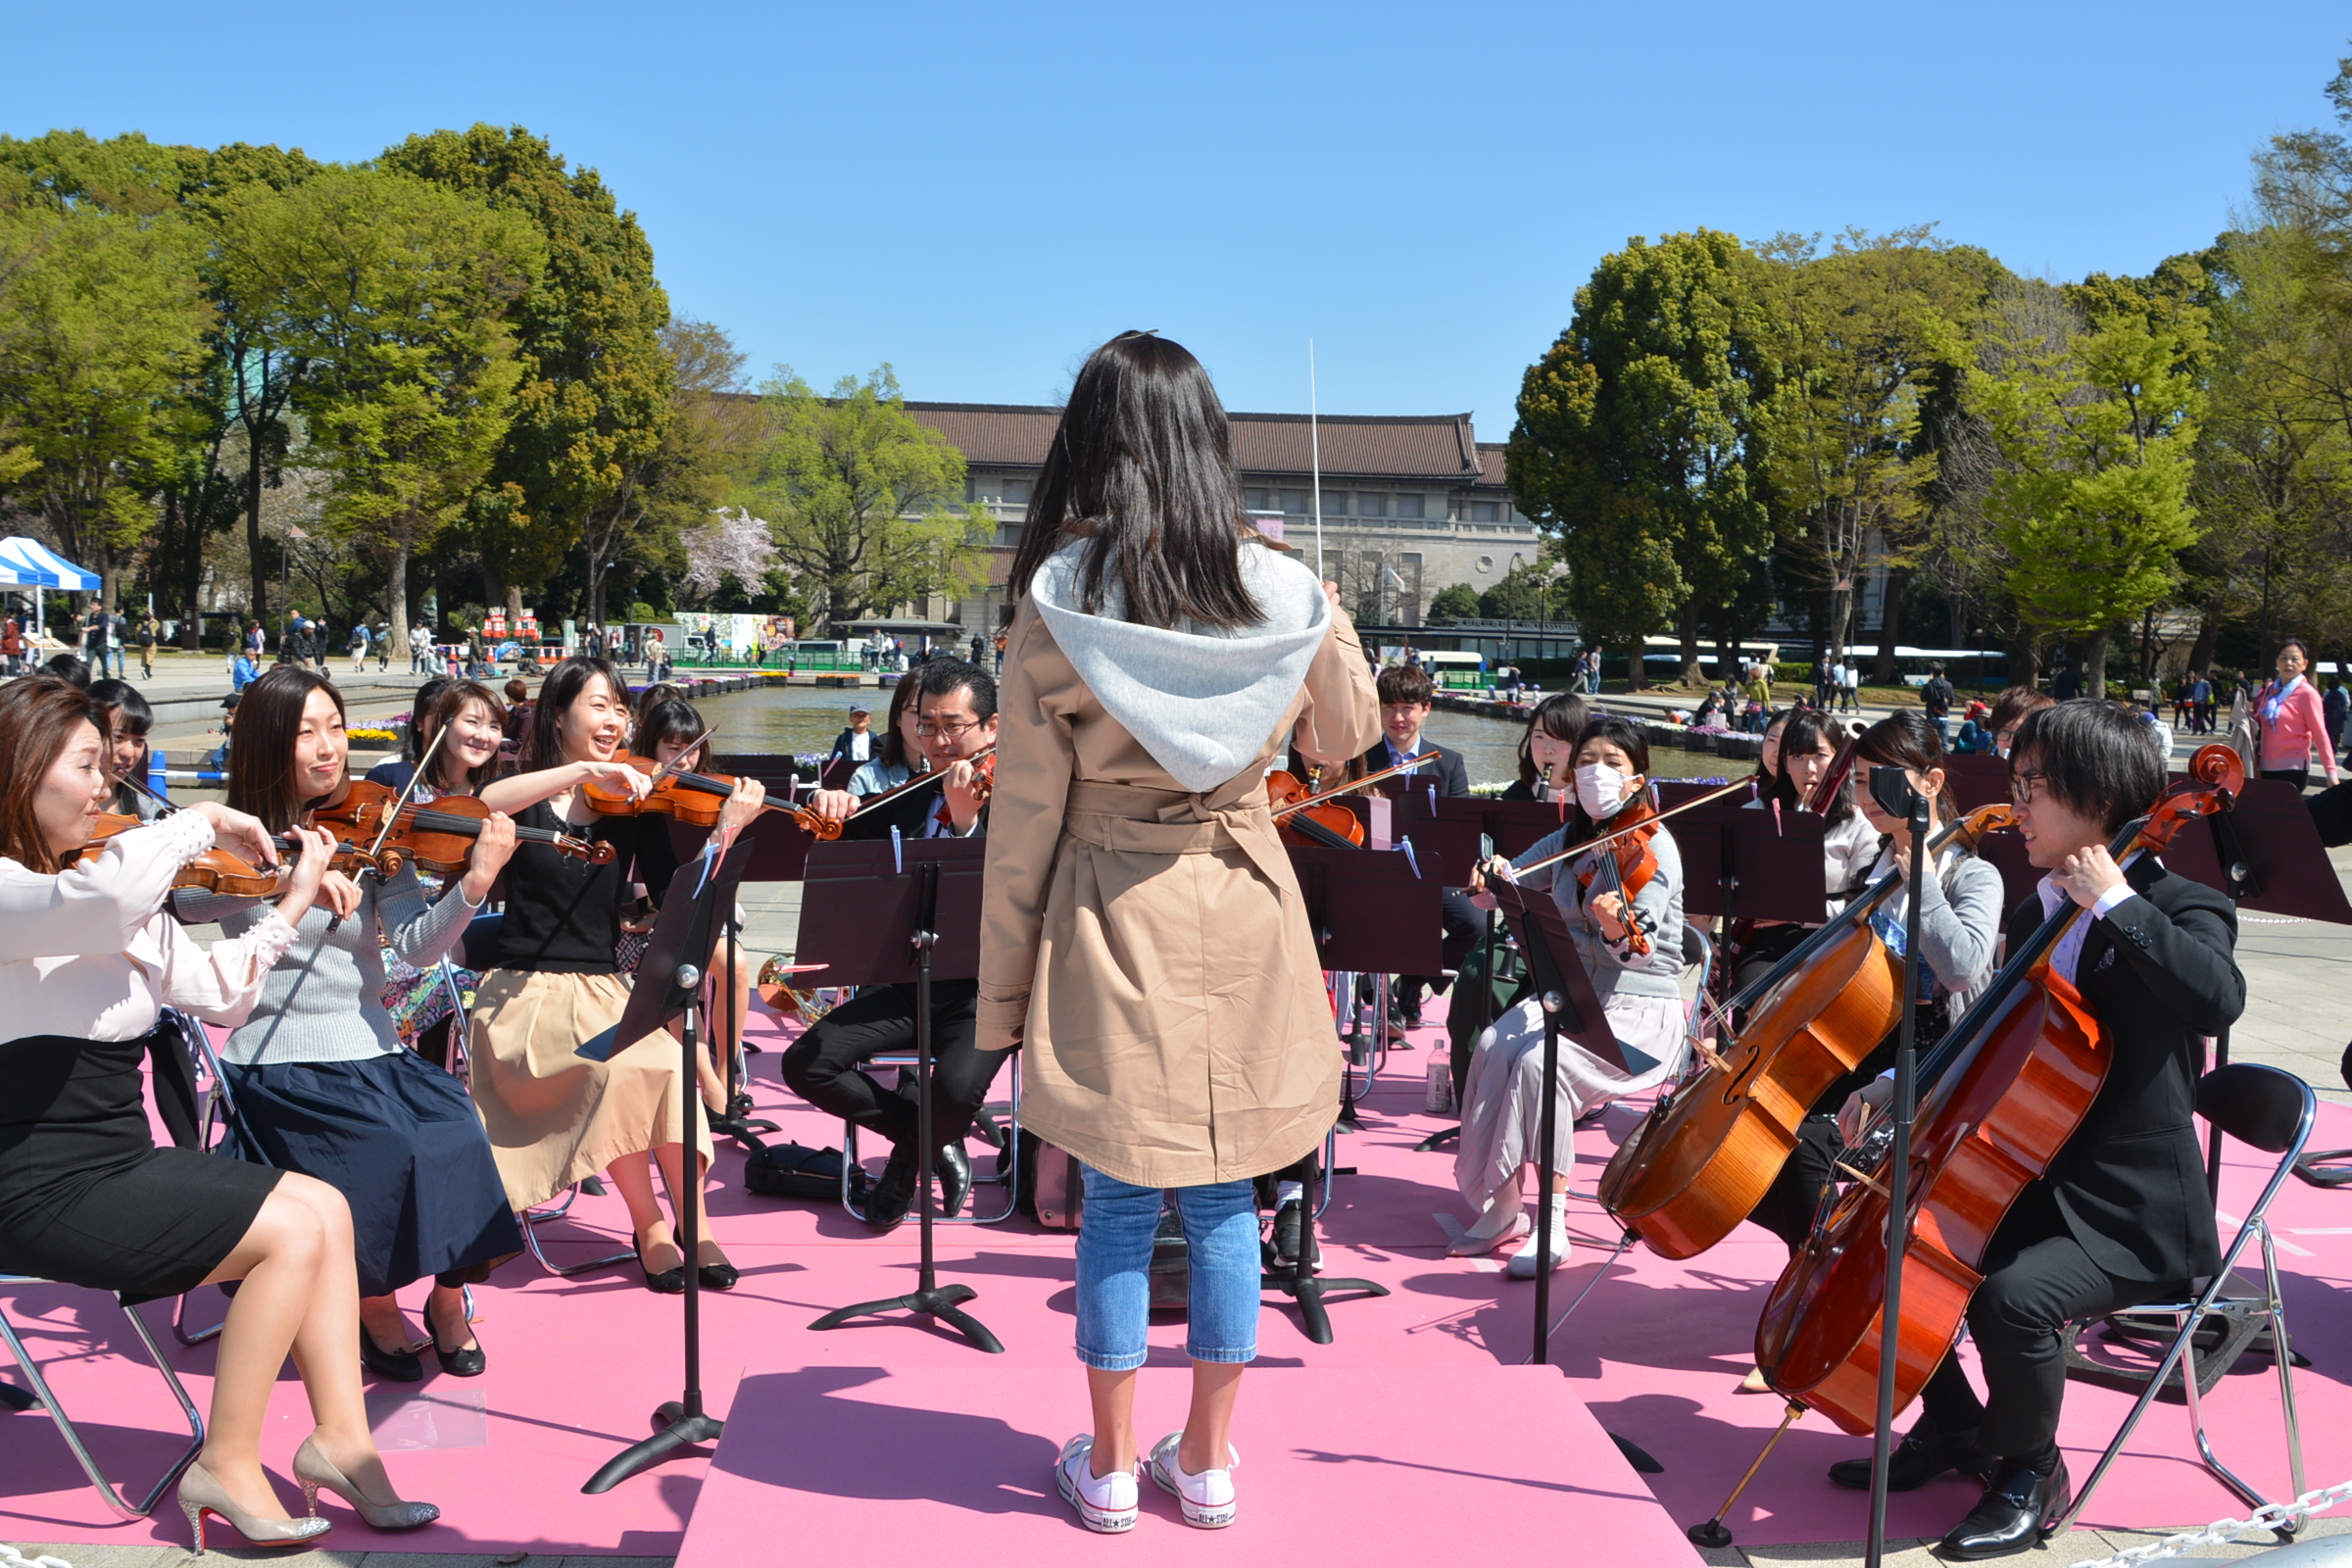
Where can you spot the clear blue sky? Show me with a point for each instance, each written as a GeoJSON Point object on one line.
{"type": "Point", "coordinates": [978, 195]}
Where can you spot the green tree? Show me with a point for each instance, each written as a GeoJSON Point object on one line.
{"type": "Point", "coordinates": [1455, 602]}
{"type": "Point", "coordinates": [1636, 446]}
{"type": "Point", "coordinates": [394, 292]}
{"type": "Point", "coordinates": [598, 385]}
{"type": "Point", "coordinates": [865, 501]}
{"type": "Point", "coordinates": [2096, 425]}
{"type": "Point", "coordinates": [1528, 592]}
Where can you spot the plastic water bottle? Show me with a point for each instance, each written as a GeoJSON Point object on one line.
{"type": "Point", "coordinates": [1439, 1098]}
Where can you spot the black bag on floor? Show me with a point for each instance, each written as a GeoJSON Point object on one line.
{"type": "Point", "coordinates": [794, 1170]}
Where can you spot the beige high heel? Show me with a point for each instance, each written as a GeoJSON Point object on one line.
{"type": "Point", "coordinates": [200, 1495]}
{"type": "Point", "coordinates": [313, 1471]}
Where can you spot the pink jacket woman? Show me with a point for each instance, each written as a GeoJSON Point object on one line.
{"type": "Point", "coordinates": [2293, 726]}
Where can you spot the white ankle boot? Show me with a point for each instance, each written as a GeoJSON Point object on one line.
{"type": "Point", "coordinates": [1555, 1218]}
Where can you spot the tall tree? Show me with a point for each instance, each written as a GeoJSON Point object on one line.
{"type": "Point", "coordinates": [597, 384]}
{"type": "Point", "coordinates": [865, 501]}
{"type": "Point", "coordinates": [1636, 443]}
{"type": "Point", "coordinates": [395, 292]}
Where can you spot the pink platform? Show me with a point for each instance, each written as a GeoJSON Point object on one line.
{"type": "Point", "coordinates": [1418, 1422]}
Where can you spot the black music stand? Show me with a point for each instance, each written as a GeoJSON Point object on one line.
{"type": "Point", "coordinates": [1370, 911]}
{"type": "Point", "coordinates": [668, 985]}
{"type": "Point", "coordinates": [773, 850]}
{"type": "Point", "coordinates": [1569, 1007]}
{"type": "Point", "coordinates": [1743, 864]}
{"type": "Point", "coordinates": [884, 912]}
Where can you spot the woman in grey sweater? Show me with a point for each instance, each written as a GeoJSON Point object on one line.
{"type": "Point", "coordinates": [1640, 993]}
{"type": "Point", "coordinates": [323, 1083]}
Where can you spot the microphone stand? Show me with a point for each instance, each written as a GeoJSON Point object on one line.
{"type": "Point", "coordinates": [1892, 790]}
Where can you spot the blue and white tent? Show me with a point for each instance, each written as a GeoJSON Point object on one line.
{"type": "Point", "coordinates": [30, 564]}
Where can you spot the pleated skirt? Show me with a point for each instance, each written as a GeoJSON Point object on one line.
{"type": "Point", "coordinates": [399, 1139]}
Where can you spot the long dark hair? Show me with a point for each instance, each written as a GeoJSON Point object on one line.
{"type": "Point", "coordinates": [891, 753]}
{"type": "Point", "coordinates": [453, 701]}
{"type": "Point", "coordinates": [556, 693]}
{"type": "Point", "coordinates": [427, 701]}
{"type": "Point", "coordinates": [261, 765]}
{"type": "Point", "coordinates": [1766, 777]}
{"type": "Point", "coordinates": [1561, 715]}
{"type": "Point", "coordinates": [1807, 728]}
{"type": "Point", "coordinates": [127, 714]}
{"type": "Point", "coordinates": [1905, 739]}
{"type": "Point", "coordinates": [39, 717]}
{"type": "Point", "coordinates": [1144, 457]}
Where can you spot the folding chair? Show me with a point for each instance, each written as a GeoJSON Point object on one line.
{"type": "Point", "coordinates": [1008, 1110]}
{"type": "Point", "coordinates": [115, 1498]}
{"type": "Point", "coordinates": [2271, 1110]}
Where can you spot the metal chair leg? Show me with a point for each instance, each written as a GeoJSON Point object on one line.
{"type": "Point", "coordinates": [114, 1497]}
{"type": "Point", "coordinates": [532, 1219]}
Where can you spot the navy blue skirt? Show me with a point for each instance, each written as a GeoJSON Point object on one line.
{"type": "Point", "coordinates": [401, 1141]}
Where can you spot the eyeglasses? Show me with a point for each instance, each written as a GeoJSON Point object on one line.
{"type": "Point", "coordinates": [2023, 786]}
{"type": "Point", "coordinates": [927, 728]}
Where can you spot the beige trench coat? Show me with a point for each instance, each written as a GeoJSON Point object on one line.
{"type": "Point", "coordinates": [1148, 948]}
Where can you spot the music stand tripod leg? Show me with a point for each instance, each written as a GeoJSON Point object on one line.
{"type": "Point", "coordinates": [929, 1298]}
{"type": "Point", "coordinates": [1302, 1284]}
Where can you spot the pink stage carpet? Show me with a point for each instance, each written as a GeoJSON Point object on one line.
{"type": "Point", "coordinates": [1418, 1420]}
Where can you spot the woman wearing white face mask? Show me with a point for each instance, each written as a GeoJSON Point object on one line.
{"type": "Point", "coordinates": [1640, 993]}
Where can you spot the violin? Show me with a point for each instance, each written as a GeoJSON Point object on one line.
{"type": "Point", "coordinates": [438, 837]}
{"type": "Point", "coordinates": [1625, 864]}
{"type": "Point", "coordinates": [1304, 819]}
{"type": "Point", "coordinates": [212, 871]}
{"type": "Point", "coordinates": [2000, 1096]}
{"type": "Point", "coordinates": [1702, 1160]}
{"type": "Point", "coordinates": [983, 785]}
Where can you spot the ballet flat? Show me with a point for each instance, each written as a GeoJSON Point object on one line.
{"type": "Point", "coordinates": [1468, 1244]}
{"type": "Point", "coordinates": [313, 1472]}
{"type": "Point", "coordinates": [200, 1495]}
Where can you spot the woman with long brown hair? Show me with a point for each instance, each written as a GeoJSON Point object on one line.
{"type": "Point", "coordinates": [87, 959]}
{"type": "Point", "coordinates": [423, 1001]}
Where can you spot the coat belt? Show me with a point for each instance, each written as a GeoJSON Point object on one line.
{"type": "Point", "coordinates": [1136, 819]}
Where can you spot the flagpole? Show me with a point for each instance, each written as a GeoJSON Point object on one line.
{"type": "Point", "coordinates": [1315, 448]}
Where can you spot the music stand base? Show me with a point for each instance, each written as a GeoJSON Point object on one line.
{"type": "Point", "coordinates": [1309, 1292]}
{"type": "Point", "coordinates": [1711, 1534]}
{"type": "Point", "coordinates": [1437, 1140]}
{"type": "Point", "coordinates": [939, 1304]}
{"type": "Point", "coordinates": [13, 1397]}
{"type": "Point", "coordinates": [675, 1430]}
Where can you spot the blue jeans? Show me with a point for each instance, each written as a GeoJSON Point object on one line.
{"type": "Point", "coordinates": [1114, 1258]}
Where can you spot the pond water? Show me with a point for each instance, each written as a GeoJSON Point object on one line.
{"type": "Point", "coordinates": [801, 720]}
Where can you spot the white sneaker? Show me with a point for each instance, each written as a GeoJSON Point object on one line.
{"type": "Point", "coordinates": [1105, 1504]}
{"type": "Point", "coordinates": [1556, 1216]}
{"type": "Point", "coordinates": [1204, 1499]}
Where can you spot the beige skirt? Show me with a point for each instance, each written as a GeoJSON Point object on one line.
{"type": "Point", "coordinates": [554, 1115]}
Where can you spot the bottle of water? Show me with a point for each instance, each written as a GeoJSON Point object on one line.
{"type": "Point", "coordinates": [1438, 1100]}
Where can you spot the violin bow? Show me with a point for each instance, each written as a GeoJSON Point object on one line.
{"type": "Point", "coordinates": [384, 830]}
{"type": "Point", "coordinates": [1356, 784]}
{"type": "Point", "coordinates": [1604, 840]}
{"type": "Point", "coordinates": [934, 776]}
{"type": "Point", "coordinates": [677, 763]}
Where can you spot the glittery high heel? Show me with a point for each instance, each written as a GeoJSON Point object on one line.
{"type": "Point", "coordinates": [314, 1472]}
{"type": "Point", "coordinates": [200, 1495]}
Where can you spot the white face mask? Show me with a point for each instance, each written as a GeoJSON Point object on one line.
{"type": "Point", "coordinates": [1600, 790]}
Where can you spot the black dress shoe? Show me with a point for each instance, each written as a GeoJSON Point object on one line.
{"type": "Point", "coordinates": [1924, 1454]}
{"type": "Point", "coordinates": [886, 1206]}
{"type": "Point", "coordinates": [955, 1179]}
{"type": "Point", "coordinates": [716, 1276]}
{"type": "Point", "coordinates": [1290, 1227]}
{"type": "Point", "coordinates": [2012, 1516]}
{"type": "Point", "coordinates": [670, 1281]}
{"type": "Point", "coordinates": [399, 1366]}
{"type": "Point", "coordinates": [467, 1364]}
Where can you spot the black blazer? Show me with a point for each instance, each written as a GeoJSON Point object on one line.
{"type": "Point", "coordinates": [1450, 770]}
{"type": "Point", "coordinates": [910, 814]}
{"type": "Point", "coordinates": [2160, 974]}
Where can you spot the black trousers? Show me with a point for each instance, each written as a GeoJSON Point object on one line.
{"type": "Point", "coordinates": [2299, 778]}
{"type": "Point", "coordinates": [822, 1065]}
{"type": "Point", "coordinates": [2039, 1279]}
{"type": "Point", "coordinates": [1464, 924]}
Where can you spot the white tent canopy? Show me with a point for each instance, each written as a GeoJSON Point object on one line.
{"type": "Point", "coordinates": [34, 564]}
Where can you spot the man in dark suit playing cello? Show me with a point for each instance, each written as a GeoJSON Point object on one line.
{"type": "Point", "coordinates": [2123, 1217]}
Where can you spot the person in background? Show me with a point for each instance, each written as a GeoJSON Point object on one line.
{"type": "Point", "coordinates": [518, 723]}
{"type": "Point", "coordinates": [2293, 721]}
{"type": "Point", "coordinates": [215, 760]}
{"type": "Point", "coordinates": [149, 629]}
{"type": "Point", "coordinates": [97, 641]}
{"type": "Point", "coordinates": [424, 715]}
{"type": "Point", "coordinates": [2160, 734]}
{"type": "Point", "coordinates": [1406, 694]}
{"type": "Point", "coordinates": [1809, 746]}
{"type": "Point", "coordinates": [2068, 685]}
{"type": "Point", "coordinates": [1936, 699]}
{"type": "Point", "coordinates": [2336, 704]}
{"type": "Point", "coordinates": [128, 719]}
{"type": "Point", "coordinates": [12, 644]}
{"type": "Point", "coordinates": [2182, 708]}
{"type": "Point", "coordinates": [358, 647]}
{"type": "Point", "coordinates": [855, 745]}
{"type": "Point", "coordinates": [2009, 710]}
{"type": "Point", "coordinates": [421, 649]}
{"type": "Point", "coordinates": [2202, 704]}
{"type": "Point", "coordinates": [1758, 694]}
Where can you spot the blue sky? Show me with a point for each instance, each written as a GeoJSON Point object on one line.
{"type": "Point", "coordinates": [979, 194]}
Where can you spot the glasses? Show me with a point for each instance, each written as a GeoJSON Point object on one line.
{"type": "Point", "coordinates": [2023, 786]}
{"type": "Point", "coordinates": [927, 728]}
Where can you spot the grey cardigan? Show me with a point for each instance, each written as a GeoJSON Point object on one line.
{"type": "Point", "coordinates": [323, 1002]}
{"type": "Point", "coordinates": [1609, 966]}
{"type": "Point", "coordinates": [1959, 922]}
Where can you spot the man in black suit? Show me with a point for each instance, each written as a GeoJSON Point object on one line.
{"type": "Point", "coordinates": [1406, 695]}
{"type": "Point", "coordinates": [2123, 1217]}
{"type": "Point", "coordinates": [956, 719]}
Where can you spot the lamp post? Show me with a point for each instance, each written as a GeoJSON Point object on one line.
{"type": "Point", "coordinates": [1510, 612]}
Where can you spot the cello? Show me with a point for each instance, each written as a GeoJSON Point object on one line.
{"type": "Point", "coordinates": [1702, 1160]}
{"type": "Point", "coordinates": [1999, 1098]}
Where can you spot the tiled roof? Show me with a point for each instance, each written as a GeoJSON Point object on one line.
{"type": "Point", "coordinates": [1490, 462]}
{"type": "Point", "coordinates": [1427, 446]}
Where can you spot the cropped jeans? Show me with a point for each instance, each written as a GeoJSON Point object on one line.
{"type": "Point", "coordinates": [1115, 1260]}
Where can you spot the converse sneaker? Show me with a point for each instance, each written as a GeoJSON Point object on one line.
{"type": "Point", "coordinates": [1106, 1505]}
{"type": "Point", "coordinates": [1206, 1499]}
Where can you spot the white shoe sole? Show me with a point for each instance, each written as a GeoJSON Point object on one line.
{"type": "Point", "coordinates": [1103, 1521]}
{"type": "Point", "coordinates": [1199, 1516]}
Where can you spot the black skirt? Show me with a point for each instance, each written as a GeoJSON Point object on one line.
{"type": "Point", "coordinates": [401, 1140]}
{"type": "Point", "coordinates": [86, 1197]}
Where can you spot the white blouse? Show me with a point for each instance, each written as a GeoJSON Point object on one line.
{"type": "Point", "coordinates": [89, 953]}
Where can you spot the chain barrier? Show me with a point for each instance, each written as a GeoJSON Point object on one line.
{"type": "Point", "coordinates": [2269, 1517]}
{"type": "Point", "coordinates": [2274, 919]}
{"type": "Point", "coordinates": [11, 1557]}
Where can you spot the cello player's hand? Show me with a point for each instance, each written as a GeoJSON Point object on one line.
{"type": "Point", "coordinates": [1860, 1106]}
{"type": "Point", "coordinates": [2088, 875]}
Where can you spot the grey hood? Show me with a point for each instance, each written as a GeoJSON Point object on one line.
{"type": "Point", "coordinates": [1202, 700]}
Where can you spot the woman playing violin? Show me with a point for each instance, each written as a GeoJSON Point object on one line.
{"type": "Point", "coordinates": [322, 1082]}
{"type": "Point", "coordinates": [2122, 1216]}
{"type": "Point", "coordinates": [556, 1116]}
{"type": "Point", "coordinates": [667, 732]}
{"type": "Point", "coordinates": [1629, 936]}
{"type": "Point", "coordinates": [1804, 754]}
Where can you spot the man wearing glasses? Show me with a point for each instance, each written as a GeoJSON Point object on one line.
{"type": "Point", "coordinates": [956, 722]}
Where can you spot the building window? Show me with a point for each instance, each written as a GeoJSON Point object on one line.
{"type": "Point", "coordinates": [1016, 492]}
{"type": "Point", "coordinates": [1254, 497]}
{"type": "Point", "coordinates": [1408, 506]}
{"type": "Point", "coordinates": [1335, 502]}
{"type": "Point", "coordinates": [1485, 510]}
{"type": "Point", "coordinates": [1370, 504]}
{"type": "Point", "coordinates": [1294, 500]}
{"type": "Point", "coordinates": [971, 487]}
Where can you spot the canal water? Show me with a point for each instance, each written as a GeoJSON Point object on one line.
{"type": "Point", "coordinates": [801, 720]}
